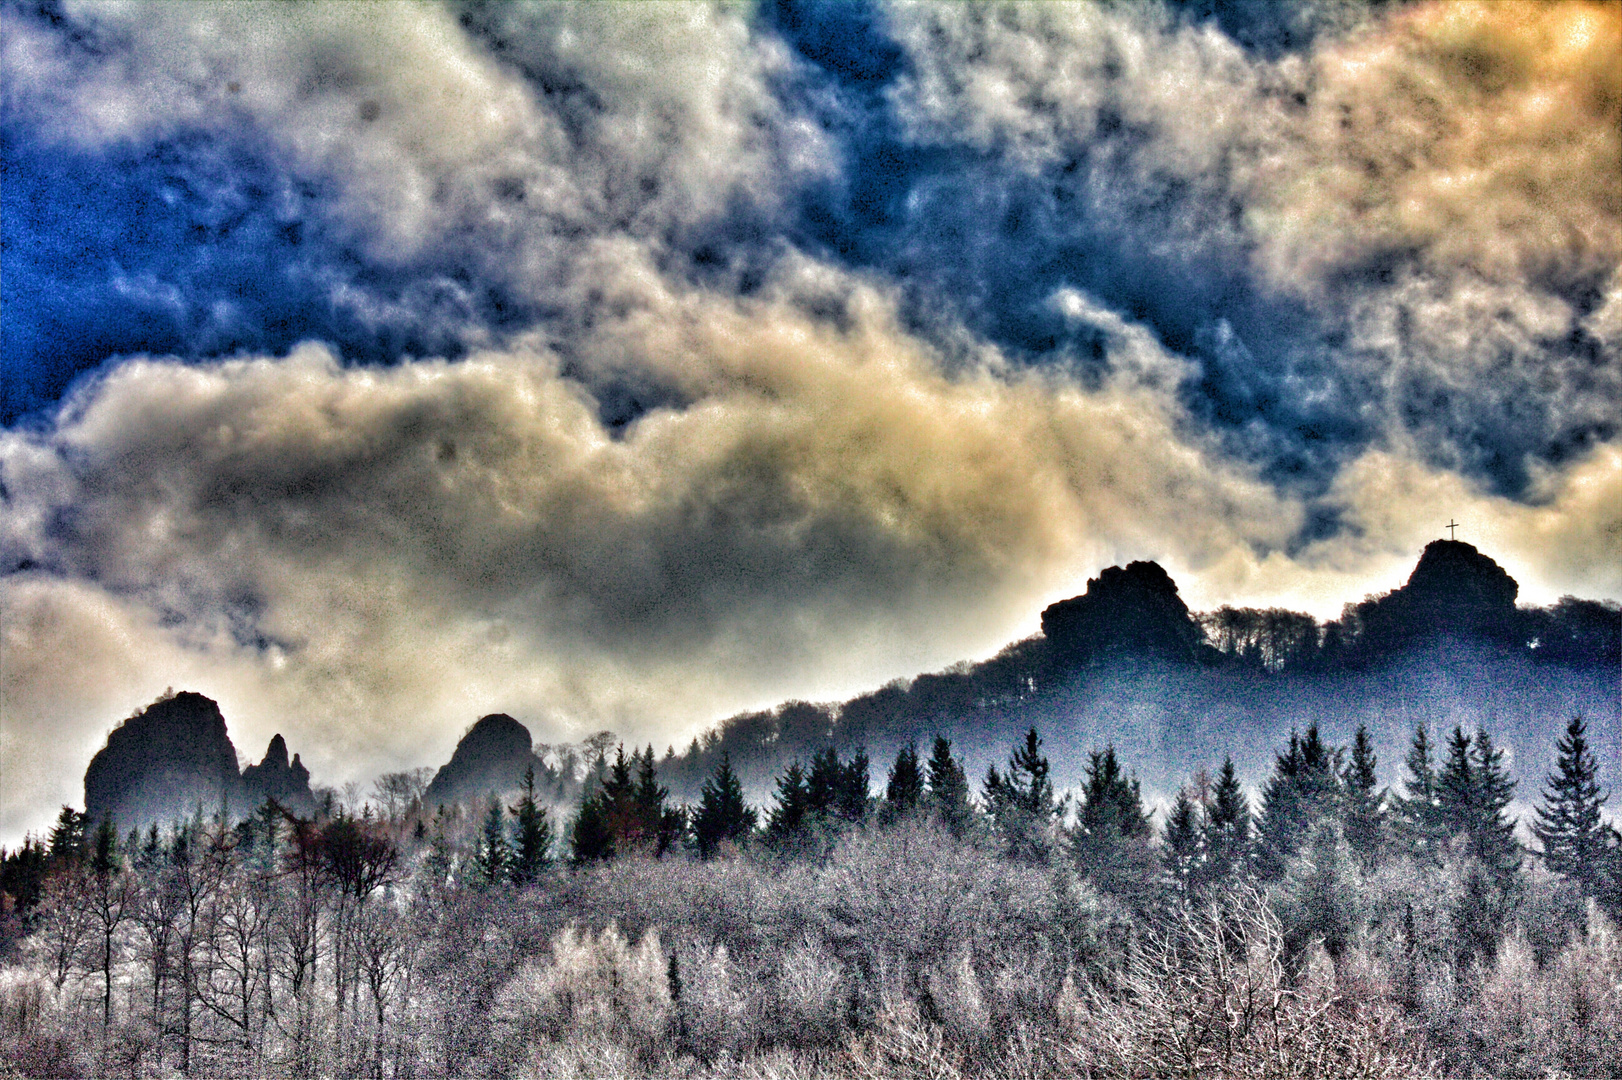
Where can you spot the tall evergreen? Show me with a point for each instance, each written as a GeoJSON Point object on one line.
{"type": "Point", "coordinates": [722, 816]}
{"type": "Point", "coordinates": [1111, 836]}
{"type": "Point", "coordinates": [1022, 804]}
{"type": "Point", "coordinates": [1184, 844]}
{"type": "Point", "coordinates": [493, 856]}
{"type": "Point", "coordinates": [1569, 825]}
{"type": "Point", "coordinates": [533, 847]}
{"type": "Point", "coordinates": [948, 788]}
{"type": "Point", "coordinates": [1419, 816]}
{"type": "Point", "coordinates": [789, 819]}
{"type": "Point", "coordinates": [824, 782]}
{"type": "Point", "coordinates": [1227, 828]}
{"type": "Point", "coordinates": [905, 790]}
{"type": "Point", "coordinates": [591, 837]}
{"type": "Point", "coordinates": [850, 800]}
{"type": "Point", "coordinates": [1303, 790]}
{"type": "Point", "coordinates": [1492, 835]}
{"type": "Point", "coordinates": [1365, 807]}
{"type": "Point", "coordinates": [68, 841]}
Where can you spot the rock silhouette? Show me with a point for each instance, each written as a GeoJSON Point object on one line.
{"type": "Point", "coordinates": [1126, 611]}
{"type": "Point", "coordinates": [163, 763]}
{"type": "Point", "coordinates": [1453, 591]}
{"type": "Point", "coordinates": [491, 757]}
{"type": "Point", "coordinates": [276, 778]}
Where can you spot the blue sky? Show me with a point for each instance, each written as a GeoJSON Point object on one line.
{"type": "Point", "coordinates": [374, 367]}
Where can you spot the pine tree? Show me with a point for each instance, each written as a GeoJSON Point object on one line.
{"type": "Point", "coordinates": [1419, 817]}
{"type": "Point", "coordinates": [855, 784]}
{"type": "Point", "coordinates": [67, 838]}
{"type": "Point", "coordinates": [532, 852]}
{"type": "Point", "coordinates": [906, 787]}
{"type": "Point", "coordinates": [1569, 825]}
{"type": "Point", "coordinates": [591, 835]}
{"type": "Point", "coordinates": [948, 788]}
{"type": "Point", "coordinates": [824, 782]}
{"type": "Point", "coordinates": [1492, 834]}
{"type": "Point", "coordinates": [494, 855]}
{"type": "Point", "coordinates": [722, 816]}
{"type": "Point", "coordinates": [1365, 810]}
{"type": "Point", "coordinates": [1303, 790]}
{"type": "Point", "coordinates": [788, 820]}
{"type": "Point", "coordinates": [1456, 787]}
{"type": "Point", "coordinates": [1184, 844]}
{"type": "Point", "coordinates": [1022, 804]}
{"type": "Point", "coordinates": [1111, 837]}
{"type": "Point", "coordinates": [1227, 828]}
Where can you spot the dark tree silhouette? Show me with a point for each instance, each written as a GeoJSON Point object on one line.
{"type": "Point", "coordinates": [905, 790]}
{"type": "Point", "coordinates": [1227, 828]}
{"type": "Point", "coordinates": [1365, 807]}
{"type": "Point", "coordinates": [532, 851]}
{"type": "Point", "coordinates": [722, 816]}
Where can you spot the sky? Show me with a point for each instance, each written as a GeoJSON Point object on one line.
{"type": "Point", "coordinates": [373, 368]}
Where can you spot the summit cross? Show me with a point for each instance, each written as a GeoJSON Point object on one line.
{"type": "Point", "coordinates": [1451, 525]}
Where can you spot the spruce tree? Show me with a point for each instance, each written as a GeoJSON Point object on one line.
{"type": "Point", "coordinates": [1227, 828]}
{"type": "Point", "coordinates": [1111, 837]}
{"type": "Point", "coordinates": [1569, 825]}
{"type": "Point", "coordinates": [850, 802]}
{"type": "Point", "coordinates": [1419, 817]}
{"type": "Point", "coordinates": [1456, 786]}
{"type": "Point", "coordinates": [1492, 833]}
{"type": "Point", "coordinates": [493, 856]}
{"type": "Point", "coordinates": [948, 788]}
{"type": "Point", "coordinates": [1184, 844]}
{"type": "Point", "coordinates": [1303, 790]}
{"type": "Point", "coordinates": [906, 787]}
{"type": "Point", "coordinates": [824, 782]}
{"type": "Point", "coordinates": [591, 838]}
{"type": "Point", "coordinates": [788, 820]}
{"type": "Point", "coordinates": [1022, 804]}
{"type": "Point", "coordinates": [722, 816]}
{"type": "Point", "coordinates": [532, 852]}
{"type": "Point", "coordinates": [1365, 810]}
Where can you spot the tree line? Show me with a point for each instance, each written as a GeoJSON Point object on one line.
{"type": "Point", "coordinates": [387, 940]}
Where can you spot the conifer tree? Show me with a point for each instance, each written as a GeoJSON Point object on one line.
{"type": "Point", "coordinates": [1303, 790]}
{"type": "Point", "coordinates": [1492, 834]}
{"type": "Point", "coordinates": [493, 856]}
{"type": "Point", "coordinates": [948, 788]}
{"type": "Point", "coordinates": [1419, 817]}
{"type": "Point", "coordinates": [850, 802]}
{"type": "Point", "coordinates": [1184, 844]}
{"type": "Point", "coordinates": [1227, 828]}
{"type": "Point", "coordinates": [1022, 804]}
{"type": "Point", "coordinates": [787, 821]}
{"type": "Point", "coordinates": [533, 849]}
{"type": "Point", "coordinates": [824, 782]}
{"type": "Point", "coordinates": [1365, 809]}
{"type": "Point", "coordinates": [1111, 837]}
{"type": "Point", "coordinates": [905, 791]}
{"type": "Point", "coordinates": [722, 816]}
{"type": "Point", "coordinates": [67, 837]}
{"type": "Point", "coordinates": [591, 837]}
{"type": "Point", "coordinates": [1569, 825]}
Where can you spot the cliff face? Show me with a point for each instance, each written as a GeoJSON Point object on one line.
{"type": "Point", "coordinates": [277, 778]}
{"type": "Point", "coordinates": [491, 757]}
{"type": "Point", "coordinates": [1454, 591]}
{"type": "Point", "coordinates": [163, 762]}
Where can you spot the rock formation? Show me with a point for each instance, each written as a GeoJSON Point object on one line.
{"type": "Point", "coordinates": [491, 757]}
{"type": "Point", "coordinates": [1130, 611]}
{"type": "Point", "coordinates": [276, 778]}
{"type": "Point", "coordinates": [163, 763]}
{"type": "Point", "coordinates": [1453, 591]}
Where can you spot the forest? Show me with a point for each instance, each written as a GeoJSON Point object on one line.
{"type": "Point", "coordinates": [889, 921]}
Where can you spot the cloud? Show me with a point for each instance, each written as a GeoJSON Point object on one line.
{"type": "Point", "coordinates": [1428, 203]}
{"type": "Point", "coordinates": [386, 552]}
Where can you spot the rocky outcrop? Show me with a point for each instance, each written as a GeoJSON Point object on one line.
{"type": "Point", "coordinates": [277, 778]}
{"type": "Point", "coordinates": [491, 757]}
{"type": "Point", "coordinates": [1131, 611]}
{"type": "Point", "coordinates": [1454, 591]}
{"type": "Point", "coordinates": [163, 763]}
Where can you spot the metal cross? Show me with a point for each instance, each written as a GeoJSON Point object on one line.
{"type": "Point", "coordinates": [1451, 525]}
